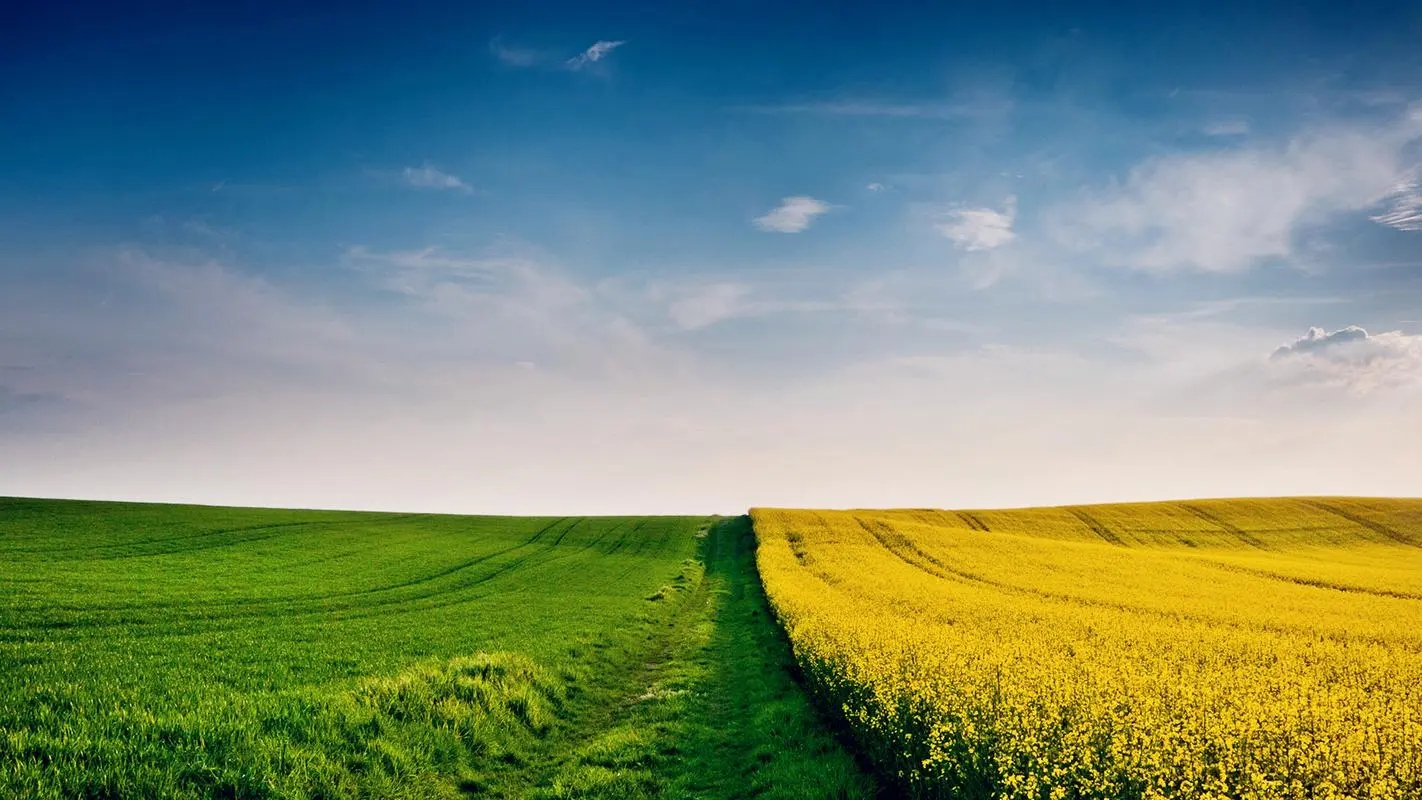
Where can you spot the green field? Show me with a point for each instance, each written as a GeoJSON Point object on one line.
{"type": "Point", "coordinates": [175, 651]}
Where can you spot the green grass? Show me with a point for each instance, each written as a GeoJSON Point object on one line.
{"type": "Point", "coordinates": [714, 712]}
{"type": "Point", "coordinates": [175, 651]}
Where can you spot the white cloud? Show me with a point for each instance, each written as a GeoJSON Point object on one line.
{"type": "Point", "coordinates": [1404, 207]}
{"type": "Point", "coordinates": [1227, 210]}
{"type": "Point", "coordinates": [1317, 339]}
{"type": "Point", "coordinates": [1351, 358]}
{"type": "Point", "coordinates": [793, 215]}
{"type": "Point", "coordinates": [597, 52]}
{"type": "Point", "coordinates": [1227, 127]}
{"type": "Point", "coordinates": [427, 177]}
{"type": "Point", "coordinates": [875, 187]}
{"type": "Point", "coordinates": [980, 228]}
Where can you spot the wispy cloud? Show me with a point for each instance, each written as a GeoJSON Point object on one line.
{"type": "Point", "coordinates": [1404, 207]}
{"type": "Point", "coordinates": [696, 303]}
{"type": "Point", "coordinates": [513, 304]}
{"type": "Point", "coordinates": [875, 186]}
{"type": "Point", "coordinates": [793, 215]}
{"type": "Point", "coordinates": [974, 229]}
{"type": "Point", "coordinates": [428, 177]}
{"type": "Point", "coordinates": [456, 283]}
{"type": "Point", "coordinates": [597, 52]}
{"type": "Point", "coordinates": [526, 57]}
{"type": "Point", "coordinates": [513, 56]}
{"type": "Point", "coordinates": [1224, 211]}
{"type": "Point", "coordinates": [708, 305]}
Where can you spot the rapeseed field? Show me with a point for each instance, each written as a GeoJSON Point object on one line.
{"type": "Point", "coordinates": [1212, 649]}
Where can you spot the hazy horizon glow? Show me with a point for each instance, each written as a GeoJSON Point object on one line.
{"type": "Point", "coordinates": [606, 259]}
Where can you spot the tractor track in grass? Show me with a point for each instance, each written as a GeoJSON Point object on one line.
{"type": "Point", "coordinates": [282, 601]}
{"type": "Point", "coordinates": [361, 603]}
{"type": "Point", "coordinates": [204, 539]}
{"type": "Point", "coordinates": [160, 626]}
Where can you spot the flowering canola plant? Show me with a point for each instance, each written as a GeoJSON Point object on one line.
{"type": "Point", "coordinates": [1211, 649]}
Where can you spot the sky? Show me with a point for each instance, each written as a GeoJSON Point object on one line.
{"type": "Point", "coordinates": [553, 258]}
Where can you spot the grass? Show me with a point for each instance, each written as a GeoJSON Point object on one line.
{"type": "Point", "coordinates": [150, 650]}
{"type": "Point", "coordinates": [1264, 648]}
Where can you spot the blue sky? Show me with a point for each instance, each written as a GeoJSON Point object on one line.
{"type": "Point", "coordinates": [581, 257]}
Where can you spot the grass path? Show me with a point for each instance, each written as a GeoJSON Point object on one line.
{"type": "Point", "coordinates": [706, 707]}
{"type": "Point", "coordinates": [756, 734]}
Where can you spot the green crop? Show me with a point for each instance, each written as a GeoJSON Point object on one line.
{"type": "Point", "coordinates": [171, 651]}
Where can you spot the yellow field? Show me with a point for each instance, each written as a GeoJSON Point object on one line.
{"type": "Point", "coordinates": [1211, 649]}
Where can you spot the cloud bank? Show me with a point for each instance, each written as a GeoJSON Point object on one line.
{"type": "Point", "coordinates": [435, 379]}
